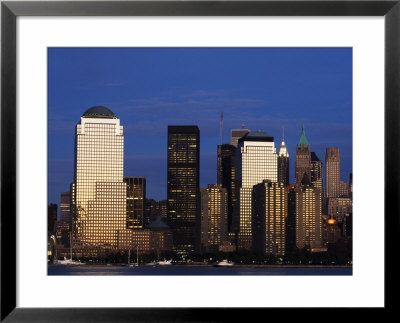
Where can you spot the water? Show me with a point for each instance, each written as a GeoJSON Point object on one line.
{"type": "Point", "coordinates": [196, 271]}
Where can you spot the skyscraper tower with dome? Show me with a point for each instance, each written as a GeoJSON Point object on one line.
{"type": "Point", "coordinates": [99, 192]}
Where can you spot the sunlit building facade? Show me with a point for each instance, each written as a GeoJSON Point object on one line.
{"type": "Point", "coordinates": [214, 217]}
{"type": "Point", "coordinates": [256, 160]}
{"type": "Point", "coordinates": [99, 201]}
{"type": "Point", "coordinates": [183, 192]}
{"type": "Point", "coordinates": [135, 199]}
{"type": "Point", "coordinates": [269, 213]}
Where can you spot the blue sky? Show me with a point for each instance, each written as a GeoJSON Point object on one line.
{"type": "Point", "coordinates": [150, 88]}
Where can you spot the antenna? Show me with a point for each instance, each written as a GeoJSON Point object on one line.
{"type": "Point", "coordinates": [283, 133]}
{"type": "Point", "coordinates": [220, 128]}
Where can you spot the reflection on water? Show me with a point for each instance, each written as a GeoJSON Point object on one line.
{"type": "Point", "coordinates": [197, 271]}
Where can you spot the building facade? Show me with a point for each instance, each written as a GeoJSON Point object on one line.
{"type": "Point", "coordinates": [316, 171]}
{"type": "Point", "coordinates": [183, 192]}
{"type": "Point", "coordinates": [308, 215]}
{"type": "Point", "coordinates": [236, 134]}
{"type": "Point", "coordinates": [269, 213]}
{"type": "Point", "coordinates": [226, 176]}
{"type": "Point", "coordinates": [65, 208]}
{"type": "Point", "coordinates": [51, 217]}
{"type": "Point", "coordinates": [135, 198]}
{"type": "Point", "coordinates": [214, 217]}
{"type": "Point", "coordinates": [256, 160]}
{"type": "Point", "coordinates": [99, 201]}
{"type": "Point", "coordinates": [332, 172]}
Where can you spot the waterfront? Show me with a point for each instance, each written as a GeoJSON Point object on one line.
{"type": "Point", "coordinates": [174, 270]}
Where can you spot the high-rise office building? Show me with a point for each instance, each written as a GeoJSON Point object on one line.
{"type": "Point", "coordinates": [183, 192]}
{"type": "Point", "coordinates": [290, 243]}
{"type": "Point", "coordinates": [332, 172]}
{"type": "Point", "coordinates": [308, 215]}
{"type": "Point", "coordinates": [303, 158]}
{"type": "Point", "coordinates": [316, 171]}
{"type": "Point", "coordinates": [51, 217]}
{"type": "Point", "coordinates": [135, 198]}
{"type": "Point", "coordinates": [283, 165]}
{"type": "Point", "coordinates": [256, 160]}
{"type": "Point", "coordinates": [214, 217]}
{"type": "Point", "coordinates": [226, 175]}
{"type": "Point", "coordinates": [236, 134]}
{"type": "Point", "coordinates": [269, 213]}
{"type": "Point", "coordinates": [65, 208]}
{"type": "Point", "coordinates": [99, 201]}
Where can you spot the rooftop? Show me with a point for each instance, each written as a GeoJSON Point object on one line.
{"type": "Point", "coordinates": [99, 112]}
{"type": "Point", "coordinates": [256, 136]}
{"type": "Point", "coordinates": [303, 140]}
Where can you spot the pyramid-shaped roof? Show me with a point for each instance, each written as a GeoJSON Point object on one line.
{"type": "Point", "coordinates": [303, 140]}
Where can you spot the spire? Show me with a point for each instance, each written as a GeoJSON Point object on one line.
{"type": "Point", "coordinates": [303, 140]}
{"type": "Point", "coordinates": [283, 150]}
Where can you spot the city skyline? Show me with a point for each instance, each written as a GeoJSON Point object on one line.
{"type": "Point", "coordinates": [146, 115]}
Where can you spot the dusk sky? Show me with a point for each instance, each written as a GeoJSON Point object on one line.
{"type": "Point", "coordinates": [150, 88]}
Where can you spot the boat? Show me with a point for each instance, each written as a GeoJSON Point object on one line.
{"type": "Point", "coordinates": [225, 263]}
{"type": "Point", "coordinates": [165, 262]}
{"type": "Point", "coordinates": [137, 258]}
{"type": "Point", "coordinates": [68, 261]}
{"type": "Point", "coordinates": [161, 263]}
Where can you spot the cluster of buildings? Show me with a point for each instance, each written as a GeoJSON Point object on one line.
{"type": "Point", "coordinates": [252, 206]}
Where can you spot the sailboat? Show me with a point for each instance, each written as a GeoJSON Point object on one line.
{"type": "Point", "coordinates": [69, 261]}
{"type": "Point", "coordinates": [137, 258]}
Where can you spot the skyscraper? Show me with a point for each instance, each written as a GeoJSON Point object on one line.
{"type": "Point", "coordinates": [283, 165]}
{"type": "Point", "coordinates": [65, 208]}
{"type": "Point", "coordinates": [332, 172]}
{"type": "Point", "coordinates": [236, 134]}
{"type": "Point", "coordinates": [308, 215]}
{"type": "Point", "coordinates": [226, 175]}
{"type": "Point", "coordinates": [316, 171]}
{"type": "Point", "coordinates": [269, 213]}
{"type": "Point", "coordinates": [256, 160]}
{"type": "Point", "coordinates": [303, 158]}
{"type": "Point", "coordinates": [51, 217]}
{"type": "Point", "coordinates": [214, 217]}
{"type": "Point", "coordinates": [135, 198]}
{"type": "Point", "coordinates": [99, 201]}
{"type": "Point", "coordinates": [183, 193]}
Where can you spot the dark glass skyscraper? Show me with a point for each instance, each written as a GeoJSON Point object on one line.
{"type": "Point", "coordinates": [316, 171]}
{"type": "Point", "coordinates": [183, 192]}
{"type": "Point", "coordinates": [135, 198]}
{"type": "Point", "coordinates": [226, 175]}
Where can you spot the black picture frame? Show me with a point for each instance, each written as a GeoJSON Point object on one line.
{"type": "Point", "coordinates": [10, 10]}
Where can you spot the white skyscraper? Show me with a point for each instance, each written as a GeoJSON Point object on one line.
{"type": "Point", "coordinates": [256, 161]}
{"type": "Point", "coordinates": [99, 200]}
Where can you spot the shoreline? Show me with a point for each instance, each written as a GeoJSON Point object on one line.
{"type": "Point", "coordinates": [206, 265]}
